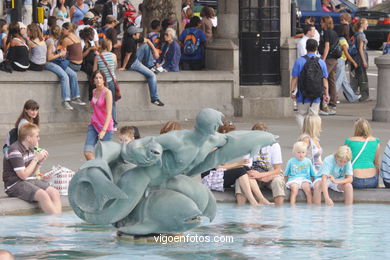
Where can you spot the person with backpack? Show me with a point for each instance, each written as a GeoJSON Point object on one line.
{"type": "Point", "coordinates": [330, 51]}
{"type": "Point", "coordinates": [309, 83]}
{"type": "Point", "coordinates": [359, 79]}
{"type": "Point", "coordinates": [109, 32]}
{"type": "Point", "coordinates": [193, 41]}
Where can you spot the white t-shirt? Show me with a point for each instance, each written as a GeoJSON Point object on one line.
{"type": "Point", "coordinates": [301, 46]}
{"type": "Point", "coordinates": [269, 156]}
{"type": "Point", "coordinates": [95, 37]}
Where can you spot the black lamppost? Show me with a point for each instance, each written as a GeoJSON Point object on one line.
{"type": "Point", "coordinates": [35, 11]}
{"type": "Point", "coordinates": [16, 14]}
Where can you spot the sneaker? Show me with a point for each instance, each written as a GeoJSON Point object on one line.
{"type": "Point", "coordinates": [325, 109]}
{"type": "Point", "coordinates": [323, 113]}
{"type": "Point", "coordinates": [78, 101]}
{"type": "Point", "coordinates": [154, 70]}
{"type": "Point", "coordinates": [356, 99]}
{"type": "Point", "coordinates": [331, 112]}
{"type": "Point", "coordinates": [157, 102]}
{"type": "Point", "coordinates": [66, 105]}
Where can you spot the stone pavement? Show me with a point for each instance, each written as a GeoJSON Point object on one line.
{"type": "Point", "coordinates": [66, 149]}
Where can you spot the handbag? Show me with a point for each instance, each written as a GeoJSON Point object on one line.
{"type": "Point", "coordinates": [62, 62]}
{"type": "Point", "coordinates": [118, 94]}
{"type": "Point", "coordinates": [59, 177]}
{"type": "Point", "coordinates": [360, 152]}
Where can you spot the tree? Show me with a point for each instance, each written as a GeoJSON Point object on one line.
{"type": "Point", "coordinates": [160, 10]}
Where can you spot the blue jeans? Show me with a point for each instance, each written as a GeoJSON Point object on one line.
{"type": "Point", "coordinates": [150, 77]}
{"type": "Point", "coordinates": [111, 86]}
{"type": "Point", "coordinates": [365, 183]}
{"type": "Point", "coordinates": [144, 55]}
{"type": "Point", "coordinates": [68, 81]}
{"type": "Point", "coordinates": [74, 66]}
{"type": "Point", "coordinates": [92, 138]}
{"type": "Point", "coordinates": [342, 81]}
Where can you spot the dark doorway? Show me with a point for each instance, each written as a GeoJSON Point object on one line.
{"type": "Point", "coordinates": [259, 42]}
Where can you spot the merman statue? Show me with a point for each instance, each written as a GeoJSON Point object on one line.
{"type": "Point", "coordinates": [145, 187]}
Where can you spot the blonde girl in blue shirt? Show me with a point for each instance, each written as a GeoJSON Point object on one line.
{"type": "Point", "coordinates": [336, 172]}
{"type": "Point", "coordinates": [299, 171]}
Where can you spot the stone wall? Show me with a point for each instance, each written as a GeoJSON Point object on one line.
{"type": "Point", "coordinates": [184, 94]}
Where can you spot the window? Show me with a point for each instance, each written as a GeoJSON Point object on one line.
{"type": "Point", "coordinates": [307, 5]}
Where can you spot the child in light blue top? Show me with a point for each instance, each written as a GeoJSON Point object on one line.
{"type": "Point", "coordinates": [337, 175]}
{"type": "Point", "coordinates": [299, 171]}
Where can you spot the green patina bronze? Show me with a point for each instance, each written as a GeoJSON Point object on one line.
{"type": "Point", "coordinates": [144, 187]}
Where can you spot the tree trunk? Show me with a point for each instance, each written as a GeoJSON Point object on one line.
{"type": "Point", "coordinates": [160, 10]}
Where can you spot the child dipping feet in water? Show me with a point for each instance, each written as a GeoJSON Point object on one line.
{"type": "Point", "coordinates": [299, 171]}
{"type": "Point", "coordinates": [337, 173]}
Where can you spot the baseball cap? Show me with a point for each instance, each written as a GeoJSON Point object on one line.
{"type": "Point", "coordinates": [110, 18]}
{"type": "Point", "coordinates": [133, 30]}
{"type": "Point", "coordinates": [89, 15]}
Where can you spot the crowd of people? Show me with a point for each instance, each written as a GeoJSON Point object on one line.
{"type": "Point", "coordinates": [327, 56]}
{"type": "Point", "coordinates": [101, 35]}
{"type": "Point", "coordinates": [354, 165]}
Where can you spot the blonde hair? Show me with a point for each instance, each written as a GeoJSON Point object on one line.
{"type": "Point", "coordinates": [312, 126]}
{"type": "Point", "coordinates": [298, 146]}
{"type": "Point", "coordinates": [362, 128]}
{"type": "Point", "coordinates": [343, 153]}
{"type": "Point", "coordinates": [27, 129]}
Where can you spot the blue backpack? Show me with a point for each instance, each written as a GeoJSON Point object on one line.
{"type": "Point", "coordinates": [191, 44]}
{"type": "Point", "coordinates": [353, 49]}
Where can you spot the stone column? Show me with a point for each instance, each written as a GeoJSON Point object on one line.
{"type": "Point", "coordinates": [381, 112]}
{"type": "Point", "coordinates": [223, 52]}
{"type": "Point", "coordinates": [1, 9]}
{"type": "Point", "coordinates": [287, 47]}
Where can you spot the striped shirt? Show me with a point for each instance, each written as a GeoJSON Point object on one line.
{"type": "Point", "coordinates": [109, 57]}
{"type": "Point", "coordinates": [17, 158]}
{"type": "Point", "coordinates": [214, 180]}
{"type": "Point", "coordinates": [385, 166]}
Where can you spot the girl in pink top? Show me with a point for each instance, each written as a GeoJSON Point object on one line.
{"type": "Point", "coordinates": [101, 126]}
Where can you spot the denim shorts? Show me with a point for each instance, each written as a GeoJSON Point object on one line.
{"type": "Point", "coordinates": [92, 138]}
{"type": "Point", "coordinates": [365, 183]}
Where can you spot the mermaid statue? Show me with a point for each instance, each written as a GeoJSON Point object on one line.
{"type": "Point", "coordinates": [146, 186]}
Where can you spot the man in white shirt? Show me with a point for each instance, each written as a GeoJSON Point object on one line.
{"type": "Point", "coordinates": [267, 170]}
{"type": "Point", "coordinates": [309, 32]}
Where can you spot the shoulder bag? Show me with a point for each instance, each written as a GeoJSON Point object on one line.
{"type": "Point", "coordinates": [360, 152]}
{"type": "Point", "coordinates": [118, 94]}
